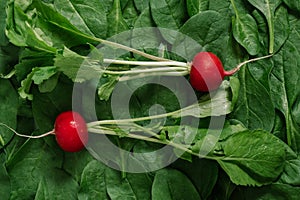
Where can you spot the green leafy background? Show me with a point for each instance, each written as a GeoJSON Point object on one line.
{"type": "Point", "coordinates": [42, 45]}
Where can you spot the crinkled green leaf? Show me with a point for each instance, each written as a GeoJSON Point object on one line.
{"type": "Point", "coordinates": [215, 104]}
{"type": "Point", "coordinates": [37, 76]}
{"type": "Point", "coordinates": [78, 68]}
{"type": "Point", "coordinates": [21, 30]}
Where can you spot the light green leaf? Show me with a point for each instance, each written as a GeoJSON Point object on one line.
{"type": "Point", "coordinates": [252, 157]}
{"type": "Point", "coordinates": [21, 32]}
{"type": "Point", "coordinates": [37, 76]}
{"type": "Point", "coordinates": [216, 103]}
{"type": "Point", "coordinates": [79, 68]}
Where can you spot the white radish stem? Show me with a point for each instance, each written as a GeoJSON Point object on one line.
{"type": "Point", "coordinates": [147, 63]}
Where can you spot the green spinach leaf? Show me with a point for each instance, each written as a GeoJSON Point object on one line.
{"type": "Point", "coordinates": [284, 81]}
{"type": "Point", "coordinates": [170, 15]}
{"type": "Point", "coordinates": [196, 6]}
{"type": "Point", "coordinates": [9, 106]}
{"type": "Point", "coordinates": [268, 7]}
{"type": "Point", "coordinates": [252, 157]}
{"type": "Point", "coordinates": [170, 184]}
{"type": "Point", "coordinates": [254, 107]}
{"type": "Point", "coordinates": [89, 17]}
{"type": "Point", "coordinates": [245, 30]}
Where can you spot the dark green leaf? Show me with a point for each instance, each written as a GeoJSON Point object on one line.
{"type": "Point", "coordinates": [291, 171]}
{"type": "Point", "coordinates": [141, 5]}
{"type": "Point", "coordinates": [196, 6]}
{"type": "Point", "coordinates": [281, 27]}
{"type": "Point", "coordinates": [224, 187]}
{"type": "Point", "coordinates": [75, 163]}
{"type": "Point", "coordinates": [118, 188]}
{"type": "Point", "coordinates": [273, 191]}
{"type": "Point", "coordinates": [284, 81]}
{"type": "Point", "coordinates": [252, 157]}
{"type": "Point", "coordinates": [9, 107]}
{"type": "Point", "coordinates": [56, 184]}
{"type": "Point", "coordinates": [168, 14]}
{"type": "Point", "coordinates": [202, 173]}
{"type": "Point", "coordinates": [115, 20]}
{"type": "Point", "coordinates": [5, 187]}
{"type": "Point", "coordinates": [38, 160]}
{"type": "Point", "coordinates": [3, 39]}
{"type": "Point", "coordinates": [268, 7]}
{"type": "Point", "coordinates": [144, 36]}
{"type": "Point", "coordinates": [203, 28]}
{"type": "Point", "coordinates": [59, 30]}
{"type": "Point", "coordinates": [46, 106]}
{"type": "Point", "coordinates": [245, 31]}
{"type": "Point", "coordinates": [88, 16]}
{"type": "Point", "coordinates": [292, 4]}
{"type": "Point", "coordinates": [254, 107]}
{"type": "Point", "coordinates": [92, 184]}
{"type": "Point", "coordinates": [170, 184]}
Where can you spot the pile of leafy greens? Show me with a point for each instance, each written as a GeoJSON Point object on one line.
{"type": "Point", "coordinates": [44, 42]}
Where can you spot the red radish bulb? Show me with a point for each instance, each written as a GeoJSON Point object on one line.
{"type": "Point", "coordinates": [207, 72]}
{"type": "Point", "coordinates": [71, 131]}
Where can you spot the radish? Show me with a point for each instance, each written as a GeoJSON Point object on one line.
{"type": "Point", "coordinates": [206, 70]}
{"type": "Point", "coordinates": [70, 131]}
